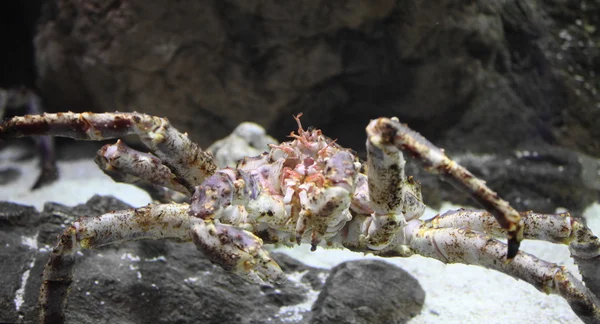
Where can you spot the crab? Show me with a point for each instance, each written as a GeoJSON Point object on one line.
{"type": "Point", "coordinates": [307, 190]}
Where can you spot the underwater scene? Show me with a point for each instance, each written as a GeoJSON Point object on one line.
{"type": "Point", "coordinates": [348, 161]}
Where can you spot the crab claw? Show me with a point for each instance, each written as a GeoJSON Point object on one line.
{"type": "Point", "coordinates": [236, 250]}
{"type": "Point", "coordinates": [211, 196]}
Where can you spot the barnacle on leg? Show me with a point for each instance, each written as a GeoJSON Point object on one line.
{"type": "Point", "coordinates": [150, 222]}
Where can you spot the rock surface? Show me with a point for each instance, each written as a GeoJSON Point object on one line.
{"type": "Point", "coordinates": [343, 299]}
{"type": "Point", "coordinates": [158, 281]}
{"type": "Point", "coordinates": [247, 139]}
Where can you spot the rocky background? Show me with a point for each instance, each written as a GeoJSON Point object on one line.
{"type": "Point", "coordinates": [509, 88]}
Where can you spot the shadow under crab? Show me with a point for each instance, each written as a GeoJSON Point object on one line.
{"type": "Point", "coordinates": [307, 190]}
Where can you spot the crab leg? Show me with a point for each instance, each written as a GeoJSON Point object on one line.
{"type": "Point", "coordinates": [394, 197]}
{"type": "Point", "coordinates": [393, 135]}
{"type": "Point", "coordinates": [452, 245]}
{"type": "Point", "coordinates": [559, 228]}
{"type": "Point", "coordinates": [555, 228]}
{"type": "Point", "coordinates": [229, 187]}
{"type": "Point", "coordinates": [150, 222]}
{"type": "Point", "coordinates": [186, 159]}
{"type": "Point", "coordinates": [120, 161]}
{"type": "Point", "coordinates": [218, 225]}
{"type": "Point", "coordinates": [324, 207]}
{"type": "Point", "coordinates": [127, 172]}
{"type": "Point", "coordinates": [235, 250]}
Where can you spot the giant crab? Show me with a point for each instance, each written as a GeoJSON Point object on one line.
{"type": "Point", "coordinates": [309, 189]}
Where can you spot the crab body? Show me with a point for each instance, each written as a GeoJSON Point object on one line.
{"type": "Point", "coordinates": [302, 191]}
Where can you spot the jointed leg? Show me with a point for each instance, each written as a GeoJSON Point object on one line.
{"type": "Point", "coordinates": [151, 222]}
{"type": "Point", "coordinates": [451, 245]}
{"type": "Point", "coordinates": [559, 228]}
{"type": "Point", "coordinates": [458, 237]}
{"type": "Point", "coordinates": [231, 248]}
{"type": "Point", "coordinates": [392, 135]}
{"type": "Point", "coordinates": [174, 149]}
{"type": "Point", "coordinates": [394, 197]}
{"type": "Point", "coordinates": [125, 164]}
{"type": "Point", "coordinates": [235, 250]}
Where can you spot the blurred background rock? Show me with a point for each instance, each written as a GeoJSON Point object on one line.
{"type": "Point", "coordinates": [509, 88]}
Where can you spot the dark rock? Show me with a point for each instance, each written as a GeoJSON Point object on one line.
{"type": "Point", "coordinates": [12, 214]}
{"type": "Point", "coordinates": [538, 178]}
{"type": "Point", "coordinates": [19, 24]}
{"type": "Point", "coordinates": [140, 282]}
{"type": "Point", "coordinates": [9, 175]}
{"type": "Point", "coordinates": [368, 291]}
{"type": "Point", "coordinates": [483, 77]}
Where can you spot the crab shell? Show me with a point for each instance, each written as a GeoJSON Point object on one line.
{"type": "Point", "coordinates": [301, 191]}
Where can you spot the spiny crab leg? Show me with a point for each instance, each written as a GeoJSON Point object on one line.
{"type": "Point", "coordinates": [231, 248]}
{"type": "Point", "coordinates": [466, 246]}
{"type": "Point", "coordinates": [119, 160]}
{"type": "Point", "coordinates": [391, 135]}
{"type": "Point", "coordinates": [394, 198]}
{"type": "Point", "coordinates": [151, 222]}
{"type": "Point", "coordinates": [187, 160]}
{"type": "Point", "coordinates": [235, 250]}
{"type": "Point", "coordinates": [467, 237]}
{"type": "Point", "coordinates": [559, 228]}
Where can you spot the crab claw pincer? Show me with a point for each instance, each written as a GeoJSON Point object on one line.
{"type": "Point", "coordinates": [236, 250]}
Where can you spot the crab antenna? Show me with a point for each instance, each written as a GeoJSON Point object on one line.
{"type": "Point", "coordinates": [297, 118]}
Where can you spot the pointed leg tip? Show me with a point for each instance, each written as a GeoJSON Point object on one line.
{"type": "Point", "coordinates": [513, 249]}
